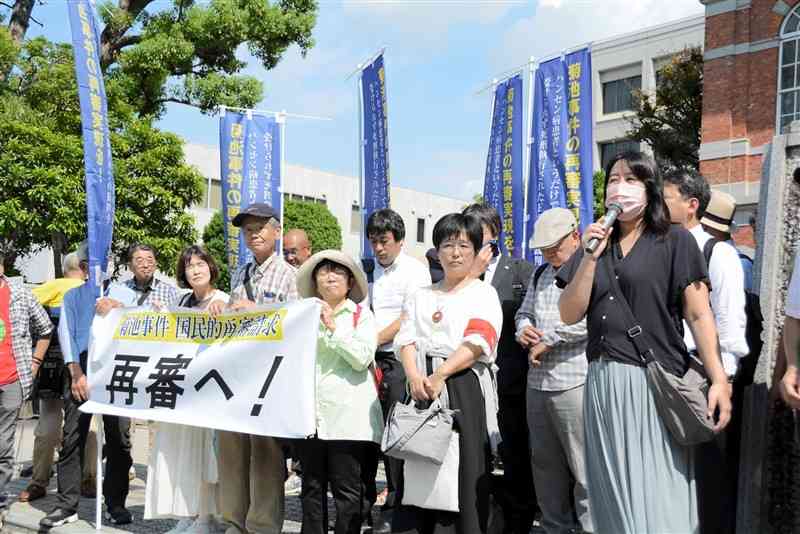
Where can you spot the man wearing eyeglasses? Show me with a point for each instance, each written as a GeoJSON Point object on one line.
{"type": "Point", "coordinates": [296, 247]}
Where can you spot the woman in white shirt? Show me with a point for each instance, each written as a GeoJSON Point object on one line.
{"type": "Point", "coordinates": [453, 326]}
{"type": "Point", "coordinates": [182, 472]}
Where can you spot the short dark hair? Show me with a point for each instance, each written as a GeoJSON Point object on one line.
{"type": "Point", "coordinates": [329, 264]}
{"type": "Point", "coordinates": [487, 215]}
{"type": "Point", "coordinates": [136, 247]}
{"type": "Point", "coordinates": [691, 184]}
{"type": "Point", "coordinates": [644, 168]}
{"type": "Point", "coordinates": [452, 224]}
{"type": "Point", "coordinates": [186, 257]}
{"type": "Point", "coordinates": [386, 220]}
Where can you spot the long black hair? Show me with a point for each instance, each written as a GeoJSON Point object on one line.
{"type": "Point", "coordinates": [644, 168]}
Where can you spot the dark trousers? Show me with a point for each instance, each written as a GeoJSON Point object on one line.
{"type": "Point", "coordinates": [518, 497]}
{"type": "Point", "coordinates": [337, 463]}
{"type": "Point", "coordinates": [393, 389]}
{"type": "Point", "coordinates": [118, 454]}
{"type": "Point", "coordinates": [717, 473]}
{"type": "Point", "coordinates": [465, 395]}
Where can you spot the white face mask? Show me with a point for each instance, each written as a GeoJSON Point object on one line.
{"type": "Point", "coordinates": [631, 196]}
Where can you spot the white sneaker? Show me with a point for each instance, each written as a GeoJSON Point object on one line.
{"type": "Point", "coordinates": [182, 526]}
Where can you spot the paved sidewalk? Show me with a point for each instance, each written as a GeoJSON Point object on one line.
{"type": "Point", "coordinates": [24, 517]}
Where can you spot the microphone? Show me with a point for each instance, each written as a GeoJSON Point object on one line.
{"type": "Point", "coordinates": [607, 221]}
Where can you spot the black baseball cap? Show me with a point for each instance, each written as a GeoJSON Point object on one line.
{"type": "Point", "coordinates": [259, 209]}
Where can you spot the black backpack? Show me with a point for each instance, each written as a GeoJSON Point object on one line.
{"type": "Point", "coordinates": [755, 322]}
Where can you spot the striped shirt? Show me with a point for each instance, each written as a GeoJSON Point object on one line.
{"type": "Point", "coordinates": [26, 316]}
{"type": "Point", "coordinates": [272, 281]}
{"type": "Point", "coordinates": [565, 365]}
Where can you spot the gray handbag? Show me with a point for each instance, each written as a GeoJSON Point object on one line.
{"type": "Point", "coordinates": [418, 434]}
{"type": "Point", "coordinates": [681, 402]}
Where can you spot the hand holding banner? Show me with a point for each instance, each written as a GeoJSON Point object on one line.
{"type": "Point", "coordinates": [251, 372]}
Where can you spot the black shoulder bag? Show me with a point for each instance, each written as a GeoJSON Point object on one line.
{"type": "Point", "coordinates": [681, 402]}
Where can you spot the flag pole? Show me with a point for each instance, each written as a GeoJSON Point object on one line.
{"type": "Point", "coordinates": [491, 133]}
{"type": "Point", "coordinates": [98, 500]}
{"type": "Point", "coordinates": [280, 118]}
{"type": "Point", "coordinates": [360, 146]}
{"type": "Point", "coordinates": [526, 171]}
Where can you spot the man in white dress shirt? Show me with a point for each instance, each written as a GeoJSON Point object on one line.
{"type": "Point", "coordinates": [687, 195]}
{"type": "Point", "coordinates": [392, 275]}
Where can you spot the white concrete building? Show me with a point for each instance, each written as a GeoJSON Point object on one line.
{"type": "Point", "coordinates": [340, 194]}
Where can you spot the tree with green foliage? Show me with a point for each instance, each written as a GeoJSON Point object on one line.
{"type": "Point", "coordinates": [320, 225]}
{"type": "Point", "coordinates": [214, 243]}
{"type": "Point", "coordinates": [152, 53]}
{"type": "Point", "coordinates": [599, 194]}
{"type": "Point", "coordinates": [669, 119]}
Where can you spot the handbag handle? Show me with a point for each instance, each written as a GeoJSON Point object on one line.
{"type": "Point", "coordinates": [634, 329]}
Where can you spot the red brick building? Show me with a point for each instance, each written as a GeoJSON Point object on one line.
{"type": "Point", "coordinates": [751, 91]}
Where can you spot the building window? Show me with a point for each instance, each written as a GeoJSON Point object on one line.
{"type": "Point", "coordinates": [609, 150]}
{"type": "Point", "coordinates": [789, 71]}
{"type": "Point", "coordinates": [618, 94]}
{"type": "Point", "coordinates": [304, 198]}
{"type": "Point", "coordinates": [355, 220]}
{"type": "Point", "coordinates": [420, 230]}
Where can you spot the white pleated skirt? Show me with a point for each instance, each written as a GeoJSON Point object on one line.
{"type": "Point", "coordinates": [182, 473]}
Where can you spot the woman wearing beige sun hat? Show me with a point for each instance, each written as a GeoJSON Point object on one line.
{"type": "Point", "coordinates": [349, 416]}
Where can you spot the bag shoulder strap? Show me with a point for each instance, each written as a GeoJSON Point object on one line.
{"type": "Point", "coordinates": [538, 274]}
{"type": "Point", "coordinates": [708, 249]}
{"type": "Point", "coordinates": [356, 315]}
{"type": "Point", "coordinates": [431, 413]}
{"type": "Point", "coordinates": [634, 329]}
{"type": "Point", "coordinates": [247, 288]}
{"type": "Point", "coordinates": [186, 300]}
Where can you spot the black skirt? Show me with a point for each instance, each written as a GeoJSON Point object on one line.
{"type": "Point", "coordinates": [474, 468]}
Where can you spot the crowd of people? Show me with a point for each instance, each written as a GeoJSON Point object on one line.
{"type": "Point", "coordinates": [538, 363]}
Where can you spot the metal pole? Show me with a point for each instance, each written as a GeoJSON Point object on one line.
{"type": "Point", "coordinates": [491, 133]}
{"type": "Point", "coordinates": [98, 506]}
{"type": "Point", "coordinates": [360, 146]}
{"type": "Point", "coordinates": [275, 113]}
{"type": "Point", "coordinates": [280, 118]}
{"type": "Point", "coordinates": [526, 171]}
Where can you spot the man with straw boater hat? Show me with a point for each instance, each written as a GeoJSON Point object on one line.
{"type": "Point", "coordinates": [556, 378]}
{"type": "Point", "coordinates": [349, 417]}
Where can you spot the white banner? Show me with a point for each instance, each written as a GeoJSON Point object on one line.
{"type": "Point", "coordinates": [251, 372]}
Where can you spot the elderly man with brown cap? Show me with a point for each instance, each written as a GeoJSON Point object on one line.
{"type": "Point", "coordinates": [556, 379]}
{"type": "Point", "coordinates": [252, 468]}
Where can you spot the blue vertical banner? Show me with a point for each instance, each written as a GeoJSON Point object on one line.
{"type": "Point", "coordinates": [250, 168]}
{"type": "Point", "coordinates": [374, 143]}
{"type": "Point", "coordinates": [561, 156]}
{"type": "Point", "coordinates": [503, 184]}
{"type": "Point", "coordinates": [100, 193]}
{"type": "Point", "coordinates": [578, 165]}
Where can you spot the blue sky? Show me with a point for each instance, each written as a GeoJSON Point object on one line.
{"type": "Point", "coordinates": [439, 54]}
